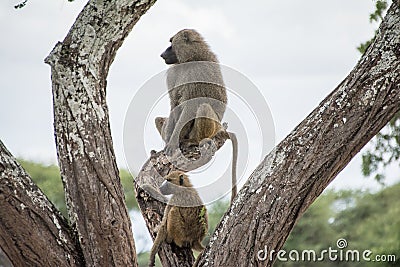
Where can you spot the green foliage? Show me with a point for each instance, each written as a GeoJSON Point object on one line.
{"type": "Point", "coordinates": [380, 8]}
{"type": "Point", "coordinates": [385, 149]}
{"type": "Point", "coordinates": [367, 221]}
{"type": "Point", "coordinates": [313, 225]}
{"type": "Point", "coordinates": [143, 260]}
{"type": "Point", "coordinates": [363, 46]}
{"type": "Point", "coordinates": [48, 178]}
{"type": "Point", "coordinates": [215, 213]}
{"type": "Point", "coordinates": [377, 16]}
{"type": "Point", "coordinates": [127, 183]}
{"type": "Point", "coordinates": [373, 223]}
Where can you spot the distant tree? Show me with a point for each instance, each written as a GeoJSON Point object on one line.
{"type": "Point", "coordinates": [372, 223]}
{"type": "Point", "coordinates": [267, 207]}
{"type": "Point", "coordinates": [366, 220]}
{"type": "Point", "coordinates": [48, 179]}
{"type": "Point", "coordinates": [384, 150]}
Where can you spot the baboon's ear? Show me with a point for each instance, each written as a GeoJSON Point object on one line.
{"type": "Point", "coordinates": [181, 179]}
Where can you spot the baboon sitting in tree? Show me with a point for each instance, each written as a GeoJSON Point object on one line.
{"type": "Point", "coordinates": [185, 220]}
{"type": "Point", "coordinates": [197, 95]}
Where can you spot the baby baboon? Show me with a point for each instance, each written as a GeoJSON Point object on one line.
{"type": "Point", "coordinates": [185, 220]}
{"type": "Point", "coordinates": [197, 95]}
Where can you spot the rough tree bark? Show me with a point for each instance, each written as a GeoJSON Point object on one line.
{"type": "Point", "coordinates": [32, 231]}
{"type": "Point", "coordinates": [94, 194]}
{"type": "Point", "coordinates": [152, 173]}
{"type": "Point", "coordinates": [267, 207]}
{"type": "Point", "coordinates": [295, 173]}
{"type": "Point", "coordinates": [101, 231]}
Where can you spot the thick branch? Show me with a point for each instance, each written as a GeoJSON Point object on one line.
{"type": "Point", "coordinates": [94, 194]}
{"type": "Point", "coordinates": [292, 176]}
{"type": "Point", "coordinates": [32, 231]}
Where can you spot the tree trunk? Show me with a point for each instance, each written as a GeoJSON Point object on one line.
{"type": "Point", "coordinates": [295, 173]}
{"type": "Point", "coordinates": [94, 194]}
{"type": "Point", "coordinates": [32, 231]}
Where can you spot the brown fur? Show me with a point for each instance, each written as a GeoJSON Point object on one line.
{"type": "Point", "coordinates": [203, 130]}
{"type": "Point", "coordinates": [204, 100]}
{"type": "Point", "coordinates": [193, 88]}
{"type": "Point", "coordinates": [205, 126]}
{"type": "Point", "coordinates": [185, 220]}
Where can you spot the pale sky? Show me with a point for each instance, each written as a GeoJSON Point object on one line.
{"type": "Point", "coordinates": [295, 52]}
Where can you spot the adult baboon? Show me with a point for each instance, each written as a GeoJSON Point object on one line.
{"type": "Point", "coordinates": [197, 95]}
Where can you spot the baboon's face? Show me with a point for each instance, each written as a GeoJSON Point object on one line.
{"type": "Point", "coordinates": [183, 45]}
{"type": "Point", "coordinates": [169, 56]}
{"type": "Point", "coordinates": [173, 182]}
